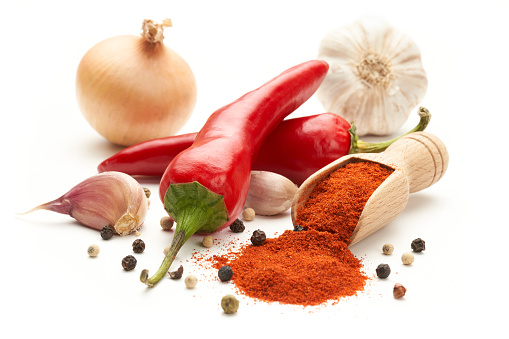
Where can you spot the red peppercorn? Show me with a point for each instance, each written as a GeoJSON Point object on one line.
{"type": "Point", "coordinates": [399, 291]}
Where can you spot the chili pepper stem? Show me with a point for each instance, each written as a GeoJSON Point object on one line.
{"type": "Point", "coordinates": [195, 208]}
{"type": "Point", "coordinates": [359, 146]}
{"type": "Point", "coordinates": [178, 240]}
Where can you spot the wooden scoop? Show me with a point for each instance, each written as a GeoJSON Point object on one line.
{"type": "Point", "coordinates": [419, 160]}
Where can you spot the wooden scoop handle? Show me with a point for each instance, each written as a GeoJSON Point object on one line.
{"type": "Point", "coordinates": [422, 156]}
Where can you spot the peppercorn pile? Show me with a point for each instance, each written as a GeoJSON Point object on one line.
{"type": "Point", "coordinates": [311, 264]}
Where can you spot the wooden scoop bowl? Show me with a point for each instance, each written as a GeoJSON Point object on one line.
{"type": "Point", "coordinates": [419, 160]}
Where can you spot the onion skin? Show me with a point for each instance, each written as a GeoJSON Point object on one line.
{"type": "Point", "coordinates": [131, 90]}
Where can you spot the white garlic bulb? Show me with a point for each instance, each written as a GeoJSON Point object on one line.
{"type": "Point", "coordinates": [375, 77]}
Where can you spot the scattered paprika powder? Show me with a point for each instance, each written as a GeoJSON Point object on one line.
{"type": "Point", "coordinates": [315, 265]}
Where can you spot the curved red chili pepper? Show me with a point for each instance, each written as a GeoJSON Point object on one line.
{"type": "Point", "coordinates": [296, 149]}
{"type": "Point", "coordinates": [205, 186]}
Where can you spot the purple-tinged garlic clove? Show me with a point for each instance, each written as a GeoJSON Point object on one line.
{"type": "Point", "coordinates": [112, 199]}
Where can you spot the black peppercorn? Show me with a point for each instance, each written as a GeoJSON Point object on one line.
{"type": "Point", "coordinates": [383, 271]}
{"type": "Point", "coordinates": [107, 232]}
{"type": "Point", "coordinates": [129, 263]}
{"type": "Point", "coordinates": [138, 246]}
{"type": "Point", "coordinates": [418, 245]}
{"type": "Point", "coordinates": [225, 273]}
{"type": "Point", "coordinates": [298, 228]}
{"type": "Point", "coordinates": [178, 273]}
{"type": "Point", "coordinates": [258, 237]}
{"type": "Point", "coordinates": [237, 226]}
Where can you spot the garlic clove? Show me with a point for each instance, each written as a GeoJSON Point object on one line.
{"type": "Point", "coordinates": [107, 199]}
{"type": "Point", "coordinates": [270, 193]}
{"type": "Point", "coordinates": [376, 77]}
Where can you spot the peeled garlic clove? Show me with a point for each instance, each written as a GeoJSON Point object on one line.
{"type": "Point", "coordinates": [270, 193]}
{"type": "Point", "coordinates": [107, 199]}
{"type": "Point", "coordinates": [376, 77]}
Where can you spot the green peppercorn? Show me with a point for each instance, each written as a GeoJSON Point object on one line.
{"type": "Point", "coordinates": [418, 245]}
{"type": "Point", "coordinates": [107, 232]}
{"type": "Point", "coordinates": [258, 238]}
{"type": "Point", "coordinates": [298, 228]}
{"type": "Point", "coordinates": [225, 273]}
{"type": "Point", "coordinates": [383, 271]}
{"type": "Point", "coordinates": [237, 226]}
{"type": "Point", "coordinates": [129, 263]}
{"type": "Point", "coordinates": [138, 246]}
{"type": "Point", "coordinates": [230, 304]}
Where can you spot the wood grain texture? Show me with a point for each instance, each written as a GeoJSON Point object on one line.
{"type": "Point", "coordinates": [419, 160]}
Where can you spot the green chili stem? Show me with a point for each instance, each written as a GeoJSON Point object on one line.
{"type": "Point", "coordinates": [194, 208]}
{"type": "Point", "coordinates": [176, 244]}
{"type": "Point", "coordinates": [359, 146]}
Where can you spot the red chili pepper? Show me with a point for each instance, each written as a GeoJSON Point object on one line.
{"type": "Point", "coordinates": [205, 186]}
{"type": "Point", "coordinates": [296, 149]}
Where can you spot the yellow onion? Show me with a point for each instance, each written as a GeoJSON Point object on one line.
{"type": "Point", "coordinates": [134, 88]}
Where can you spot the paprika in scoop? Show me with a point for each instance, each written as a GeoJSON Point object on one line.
{"type": "Point", "coordinates": [296, 149]}
{"type": "Point", "coordinates": [205, 186]}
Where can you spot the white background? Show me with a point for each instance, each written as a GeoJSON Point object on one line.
{"type": "Point", "coordinates": [50, 286]}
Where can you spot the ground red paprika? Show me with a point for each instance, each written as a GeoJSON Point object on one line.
{"type": "Point", "coordinates": [312, 266]}
{"type": "Point", "coordinates": [336, 203]}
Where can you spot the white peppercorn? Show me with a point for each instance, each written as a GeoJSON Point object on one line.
{"type": "Point", "coordinates": [208, 241]}
{"type": "Point", "coordinates": [407, 258]}
{"type": "Point", "coordinates": [191, 281]}
{"type": "Point", "coordinates": [93, 250]}
{"type": "Point", "coordinates": [166, 250]}
{"type": "Point", "coordinates": [248, 214]}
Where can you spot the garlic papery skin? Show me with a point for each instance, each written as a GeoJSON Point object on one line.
{"type": "Point", "coordinates": [376, 77]}
{"type": "Point", "coordinates": [270, 193]}
{"type": "Point", "coordinates": [112, 199]}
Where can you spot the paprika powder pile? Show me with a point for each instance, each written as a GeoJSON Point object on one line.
{"type": "Point", "coordinates": [315, 265]}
